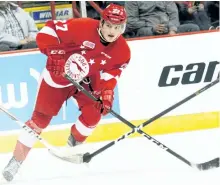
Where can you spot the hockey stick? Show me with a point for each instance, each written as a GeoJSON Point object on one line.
{"type": "Point", "coordinates": [56, 151]}
{"type": "Point", "coordinates": [201, 166]}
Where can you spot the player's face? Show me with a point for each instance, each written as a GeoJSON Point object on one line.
{"type": "Point", "coordinates": [111, 31]}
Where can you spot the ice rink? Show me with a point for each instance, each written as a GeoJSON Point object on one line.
{"type": "Point", "coordinates": [132, 161]}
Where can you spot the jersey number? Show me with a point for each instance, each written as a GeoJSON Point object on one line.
{"type": "Point", "coordinates": [115, 11]}
{"type": "Point", "coordinates": [62, 26]}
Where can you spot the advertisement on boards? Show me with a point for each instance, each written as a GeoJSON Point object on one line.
{"type": "Point", "coordinates": [45, 15]}
{"type": "Point", "coordinates": [42, 14]}
{"type": "Point", "coordinates": [163, 71]}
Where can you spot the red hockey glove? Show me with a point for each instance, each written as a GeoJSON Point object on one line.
{"type": "Point", "coordinates": [106, 101]}
{"type": "Point", "coordinates": [56, 60]}
{"type": "Point", "coordinates": [56, 57]}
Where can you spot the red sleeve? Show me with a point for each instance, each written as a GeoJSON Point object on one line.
{"type": "Point", "coordinates": [109, 78]}
{"type": "Point", "coordinates": [47, 36]}
{"type": "Point", "coordinates": [55, 33]}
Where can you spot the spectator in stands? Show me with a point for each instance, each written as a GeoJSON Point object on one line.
{"type": "Point", "coordinates": [148, 18]}
{"type": "Point", "coordinates": [193, 12]}
{"type": "Point", "coordinates": [212, 9]}
{"type": "Point", "coordinates": [17, 28]}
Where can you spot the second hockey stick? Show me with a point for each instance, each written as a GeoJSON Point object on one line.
{"type": "Point", "coordinates": [201, 166]}
{"type": "Point", "coordinates": [56, 151]}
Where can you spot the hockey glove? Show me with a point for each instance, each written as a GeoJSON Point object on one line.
{"type": "Point", "coordinates": [106, 101]}
{"type": "Point", "coordinates": [57, 57]}
{"type": "Point", "coordinates": [56, 61]}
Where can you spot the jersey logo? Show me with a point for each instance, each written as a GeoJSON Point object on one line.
{"type": "Point", "coordinates": [89, 44]}
{"type": "Point", "coordinates": [77, 67]}
{"type": "Point", "coordinates": [57, 51]}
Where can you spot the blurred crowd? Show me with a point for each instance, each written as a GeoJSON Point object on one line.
{"type": "Point", "coordinates": [145, 18]}
{"type": "Point", "coordinates": [148, 18]}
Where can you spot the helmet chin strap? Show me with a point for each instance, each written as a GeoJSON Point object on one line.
{"type": "Point", "coordinates": [101, 35]}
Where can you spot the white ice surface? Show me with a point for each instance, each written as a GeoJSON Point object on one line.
{"type": "Point", "coordinates": [131, 161]}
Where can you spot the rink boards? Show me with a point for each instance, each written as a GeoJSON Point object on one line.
{"type": "Point", "coordinates": [162, 71]}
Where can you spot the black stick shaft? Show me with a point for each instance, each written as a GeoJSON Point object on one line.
{"type": "Point", "coordinates": [138, 129]}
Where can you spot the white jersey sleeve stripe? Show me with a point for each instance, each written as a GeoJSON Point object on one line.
{"type": "Point", "coordinates": [50, 82]}
{"type": "Point", "coordinates": [107, 76]}
{"type": "Point", "coordinates": [49, 31]}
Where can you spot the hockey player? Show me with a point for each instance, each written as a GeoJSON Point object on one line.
{"type": "Point", "coordinates": [92, 53]}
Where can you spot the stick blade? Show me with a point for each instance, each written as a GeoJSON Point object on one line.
{"type": "Point", "coordinates": [76, 158]}
{"type": "Point", "coordinates": [214, 163]}
{"type": "Point", "coordinates": [78, 154]}
{"type": "Point", "coordinates": [68, 155]}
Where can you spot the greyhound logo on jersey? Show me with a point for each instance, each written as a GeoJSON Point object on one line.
{"type": "Point", "coordinates": [89, 44]}
{"type": "Point", "coordinates": [77, 67]}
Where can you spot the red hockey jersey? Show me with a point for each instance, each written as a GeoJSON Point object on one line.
{"type": "Point", "coordinates": [103, 64]}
